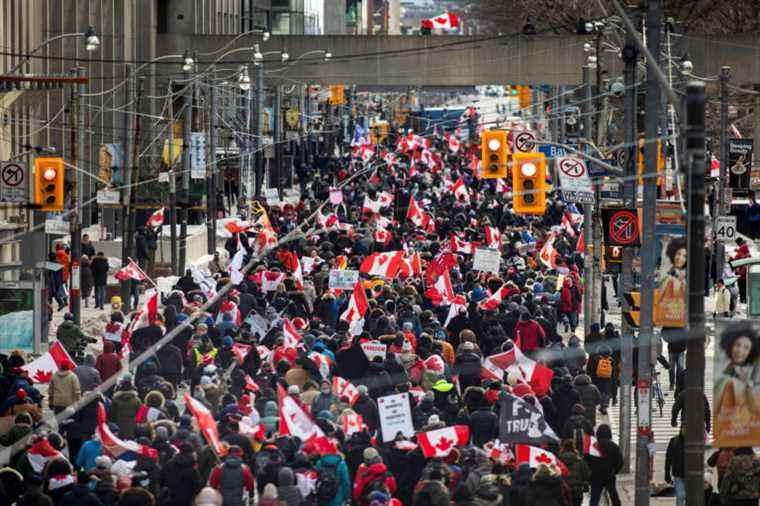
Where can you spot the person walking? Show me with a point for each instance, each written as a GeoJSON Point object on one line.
{"type": "Point", "coordinates": [233, 479]}
{"type": "Point", "coordinates": [85, 280]}
{"type": "Point", "coordinates": [604, 469]}
{"type": "Point", "coordinates": [578, 471]}
{"type": "Point", "coordinates": [64, 389]}
{"type": "Point", "coordinates": [99, 267]}
{"type": "Point", "coordinates": [675, 466]}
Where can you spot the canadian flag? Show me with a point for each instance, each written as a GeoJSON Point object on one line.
{"type": "Point", "coordinates": [42, 369]}
{"type": "Point", "coordinates": [493, 237]}
{"type": "Point", "coordinates": [534, 457]}
{"type": "Point", "coordinates": [352, 423]}
{"type": "Point", "coordinates": [371, 206]}
{"type": "Point", "coordinates": [538, 376]}
{"type": "Point", "coordinates": [295, 421]}
{"type": "Point", "coordinates": [365, 153]}
{"type": "Point", "coordinates": [344, 388]}
{"type": "Point", "coordinates": [454, 143]}
{"type": "Point", "coordinates": [440, 442]}
{"type": "Point", "coordinates": [147, 313]}
{"type": "Point", "coordinates": [442, 262]}
{"type": "Point", "coordinates": [501, 186]}
{"type": "Point", "coordinates": [714, 167]}
{"type": "Point", "coordinates": [298, 274]}
{"type": "Point", "coordinates": [157, 218]}
{"type": "Point", "coordinates": [499, 451]}
{"type": "Point", "coordinates": [251, 385]}
{"type": "Point", "coordinates": [410, 266]}
{"type": "Point", "coordinates": [442, 293]}
{"type": "Point", "coordinates": [130, 271]}
{"type": "Point", "coordinates": [460, 191]}
{"type": "Point", "coordinates": [462, 246]}
{"type": "Point", "coordinates": [268, 280]}
{"type": "Point", "coordinates": [116, 446]}
{"type": "Point", "coordinates": [419, 217]}
{"type": "Point", "coordinates": [580, 246]}
{"type": "Point", "coordinates": [322, 362]}
{"type": "Point", "coordinates": [147, 414]}
{"type": "Point", "coordinates": [206, 424]}
{"type": "Point", "coordinates": [568, 223]}
{"type": "Point", "coordinates": [40, 453]}
{"type": "Point", "coordinates": [327, 220]}
{"type": "Point", "coordinates": [382, 236]}
{"type": "Point", "coordinates": [591, 446]}
{"type": "Point", "coordinates": [385, 264]}
{"type": "Point", "coordinates": [357, 305]}
{"type": "Point", "coordinates": [492, 302]}
{"type": "Point", "coordinates": [548, 255]}
{"type": "Point", "coordinates": [290, 333]}
{"type": "Point", "coordinates": [236, 266]}
{"type": "Point", "coordinates": [237, 226]}
{"type": "Point", "coordinates": [446, 21]}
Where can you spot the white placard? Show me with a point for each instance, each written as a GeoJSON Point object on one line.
{"type": "Point", "coordinates": [57, 227]}
{"type": "Point", "coordinates": [108, 197]}
{"type": "Point", "coordinates": [395, 414]}
{"type": "Point", "coordinates": [272, 196]}
{"type": "Point", "coordinates": [163, 177]}
{"type": "Point", "coordinates": [725, 228]}
{"type": "Point", "coordinates": [374, 349]}
{"type": "Point", "coordinates": [198, 155]}
{"type": "Point", "coordinates": [574, 180]}
{"type": "Point", "coordinates": [343, 279]}
{"type": "Point", "coordinates": [486, 260]}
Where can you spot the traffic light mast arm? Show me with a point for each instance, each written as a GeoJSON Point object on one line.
{"type": "Point", "coordinates": [616, 171]}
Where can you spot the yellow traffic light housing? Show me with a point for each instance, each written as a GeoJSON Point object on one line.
{"type": "Point", "coordinates": [529, 183]}
{"type": "Point", "coordinates": [48, 183]}
{"type": "Point", "coordinates": [337, 94]}
{"type": "Point", "coordinates": [494, 149]}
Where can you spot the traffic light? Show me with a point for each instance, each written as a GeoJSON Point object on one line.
{"type": "Point", "coordinates": [48, 183]}
{"type": "Point", "coordinates": [337, 94]}
{"type": "Point", "coordinates": [660, 162]}
{"type": "Point", "coordinates": [529, 183]}
{"type": "Point", "coordinates": [524, 96]}
{"type": "Point", "coordinates": [494, 151]}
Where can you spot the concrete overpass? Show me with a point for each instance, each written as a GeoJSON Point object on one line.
{"type": "Point", "coordinates": [456, 60]}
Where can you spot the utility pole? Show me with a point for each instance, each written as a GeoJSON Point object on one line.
{"type": "Point", "coordinates": [588, 215]}
{"type": "Point", "coordinates": [695, 346]}
{"type": "Point", "coordinates": [561, 111]}
{"type": "Point", "coordinates": [258, 124]}
{"type": "Point", "coordinates": [648, 260]}
{"type": "Point", "coordinates": [77, 201]}
{"type": "Point", "coordinates": [172, 186]}
{"type": "Point", "coordinates": [186, 153]}
{"type": "Point", "coordinates": [630, 56]}
{"type": "Point", "coordinates": [278, 161]}
{"type": "Point", "coordinates": [598, 119]}
{"type": "Point", "coordinates": [211, 170]}
{"type": "Point", "coordinates": [126, 195]}
{"type": "Point", "coordinates": [721, 201]}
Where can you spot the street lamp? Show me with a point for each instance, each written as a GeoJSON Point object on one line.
{"type": "Point", "coordinates": [285, 56]}
{"type": "Point", "coordinates": [244, 81]}
{"type": "Point", "coordinates": [257, 56]}
{"type": "Point", "coordinates": [188, 61]}
{"type": "Point", "coordinates": [328, 56]}
{"type": "Point", "coordinates": [92, 42]}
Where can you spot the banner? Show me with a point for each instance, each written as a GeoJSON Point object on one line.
{"type": "Point", "coordinates": [736, 394]}
{"type": "Point", "coordinates": [374, 349]}
{"type": "Point", "coordinates": [520, 422]}
{"type": "Point", "coordinates": [670, 293]}
{"type": "Point", "coordinates": [739, 163]}
{"type": "Point", "coordinates": [395, 413]}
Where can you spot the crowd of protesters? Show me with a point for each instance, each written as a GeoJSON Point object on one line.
{"type": "Point", "coordinates": [281, 336]}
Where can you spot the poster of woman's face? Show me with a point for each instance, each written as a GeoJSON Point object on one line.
{"type": "Point", "coordinates": [737, 386]}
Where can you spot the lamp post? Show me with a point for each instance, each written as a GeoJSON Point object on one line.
{"type": "Point", "coordinates": [92, 42]}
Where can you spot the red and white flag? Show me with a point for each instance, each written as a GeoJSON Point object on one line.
{"type": "Point", "coordinates": [493, 237]}
{"type": "Point", "coordinates": [147, 313]}
{"type": "Point", "coordinates": [440, 442]}
{"type": "Point", "coordinates": [454, 143]}
{"type": "Point", "coordinates": [236, 266]}
{"type": "Point", "coordinates": [568, 223]}
{"type": "Point", "coordinates": [410, 266]}
{"type": "Point", "coordinates": [40, 453]}
{"type": "Point", "coordinates": [446, 21]}
{"type": "Point", "coordinates": [344, 388]}
{"type": "Point", "coordinates": [382, 236]}
{"type": "Point", "coordinates": [115, 446]}
{"type": "Point", "coordinates": [460, 191]}
{"type": "Point", "coordinates": [323, 363]}
{"type": "Point", "coordinates": [357, 305]}
{"type": "Point", "coordinates": [298, 274]}
{"type": "Point", "coordinates": [42, 369]}
{"type": "Point", "coordinates": [206, 423]}
{"type": "Point", "coordinates": [157, 218]}
{"type": "Point", "coordinates": [130, 271]}
{"type": "Point", "coordinates": [499, 451]}
{"type": "Point", "coordinates": [442, 292]}
{"type": "Point", "coordinates": [514, 361]}
{"type": "Point", "coordinates": [534, 457]}
{"type": "Point", "coordinates": [580, 246]}
{"type": "Point", "coordinates": [548, 255]}
{"type": "Point", "coordinates": [591, 446]}
{"type": "Point", "coordinates": [385, 264]}
{"type": "Point", "coordinates": [461, 246]}
{"type": "Point", "coordinates": [295, 421]}
{"type": "Point", "coordinates": [418, 216]}
{"type": "Point", "coordinates": [268, 280]}
{"type": "Point", "coordinates": [351, 423]}
{"type": "Point", "coordinates": [492, 302]}
{"type": "Point", "coordinates": [290, 333]}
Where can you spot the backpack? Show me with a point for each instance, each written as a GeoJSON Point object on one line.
{"type": "Point", "coordinates": [328, 483]}
{"type": "Point", "coordinates": [374, 486]}
{"type": "Point", "coordinates": [604, 368]}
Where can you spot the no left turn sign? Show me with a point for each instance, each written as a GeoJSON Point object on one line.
{"type": "Point", "coordinates": [525, 142]}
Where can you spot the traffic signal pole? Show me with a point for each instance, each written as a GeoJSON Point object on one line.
{"type": "Point", "coordinates": [75, 302]}
{"type": "Point", "coordinates": [126, 195]}
{"type": "Point", "coordinates": [648, 259]}
{"type": "Point", "coordinates": [588, 216]}
{"type": "Point", "coordinates": [721, 200]}
{"type": "Point", "coordinates": [695, 346]}
{"type": "Point", "coordinates": [186, 128]}
{"type": "Point", "coordinates": [211, 170]}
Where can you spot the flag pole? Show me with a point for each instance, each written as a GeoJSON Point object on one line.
{"type": "Point", "coordinates": [143, 273]}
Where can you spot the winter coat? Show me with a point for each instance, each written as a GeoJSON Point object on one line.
{"type": "Point", "coordinates": [378, 380]}
{"type": "Point", "coordinates": [722, 300]}
{"type": "Point", "coordinates": [170, 358]}
{"type": "Point", "coordinates": [99, 267]}
{"type": "Point", "coordinates": [367, 475]}
{"type": "Point", "coordinates": [675, 458]}
{"type": "Point", "coordinates": [431, 493]}
{"type": "Point", "coordinates": [564, 398]}
{"type": "Point", "coordinates": [590, 396]}
{"type": "Point", "coordinates": [70, 336]}
{"type": "Point", "coordinates": [546, 491]}
{"type": "Point", "coordinates": [106, 493]}
{"type": "Point", "coordinates": [579, 472]}
{"type": "Point", "coordinates": [741, 480]}
{"type": "Point", "coordinates": [86, 280]}
{"type": "Point", "coordinates": [575, 427]}
{"type": "Point", "coordinates": [108, 363]}
{"type": "Point", "coordinates": [367, 408]}
{"type": "Point", "coordinates": [467, 365]}
{"type": "Point", "coordinates": [531, 335]}
{"type": "Point", "coordinates": [271, 417]}
{"type": "Point", "coordinates": [344, 480]}
{"type": "Point", "coordinates": [565, 299]}
{"type": "Point", "coordinates": [232, 479]}
{"type": "Point", "coordinates": [424, 410]}
{"type": "Point", "coordinates": [64, 389]}
{"type": "Point", "coordinates": [34, 497]}
{"type": "Point", "coordinates": [89, 377]}
{"type": "Point", "coordinates": [604, 468]}
{"type": "Point", "coordinates": [79, 495]}
{"type": "Point", "coordinates": [287, 491]}
{"type": "Point", "coordinates": [484, 426]}
{"type": "Point", "coordinates": [181, 477]}
{"type": "Point", "coordinates": [322, 402]}
{"type": "Point", "coordinates": [123, 410]}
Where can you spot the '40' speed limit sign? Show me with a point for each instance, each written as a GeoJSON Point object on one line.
{"type": "Point", "coordinates": [725, 228]}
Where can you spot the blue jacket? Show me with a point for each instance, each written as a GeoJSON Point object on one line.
{"type": "Point", "coordinates": [344, 488]}
{"type": "Point", "coordinates": [87, 455]}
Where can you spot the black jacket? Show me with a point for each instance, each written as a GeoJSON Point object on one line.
{"type": "Point", "coordinates": [546, 491]}
{"type": "Point", "coordinates": [610, 463]}
{"type": "Point", "coordinates": [181, 477]}
{"type": "Point", "coordinates": [367, 408]}
{"type": "Point", "coordinates": [675, 458]}
{"type": "Point", "coordinates": [79, 496]}
{"type": "Point", "coordinates": [99, 268]}
{"type": "Point", "coordinates": [484, 426]}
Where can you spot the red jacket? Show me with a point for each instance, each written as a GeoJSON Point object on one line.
{"type": "Point", "coordinates": [215, 477]}
{"type": "Point", "coordinates": [566, 299]}
{"type": "Point", "coordinates": [742, 252]}
{"type": "Point", "coordinates": [367, 474]}
{"type": "Point", "coordinates": [108, 362]}
{"type": "Point", "coordinates": [530, 334]}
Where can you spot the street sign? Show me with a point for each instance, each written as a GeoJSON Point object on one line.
{"type": "Point", "coordinates": [621, 227]}
{"type": "Point", "coordinates": [525, 141]}
{"type": "Point", "coordinates": [621, 157]}
{"type": "Point", "coordinates": [725, 228]}
{"type": "Point", "coordinates": [198, 155]}
{"type": "Point", "coordinates": [13, 182]}
{"type": "Point", "coordinates": [574, 180]}
{"type": "Point", "coordinates": [107, 197]}
{"type": "Point", "coordinates": [57, 227]}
